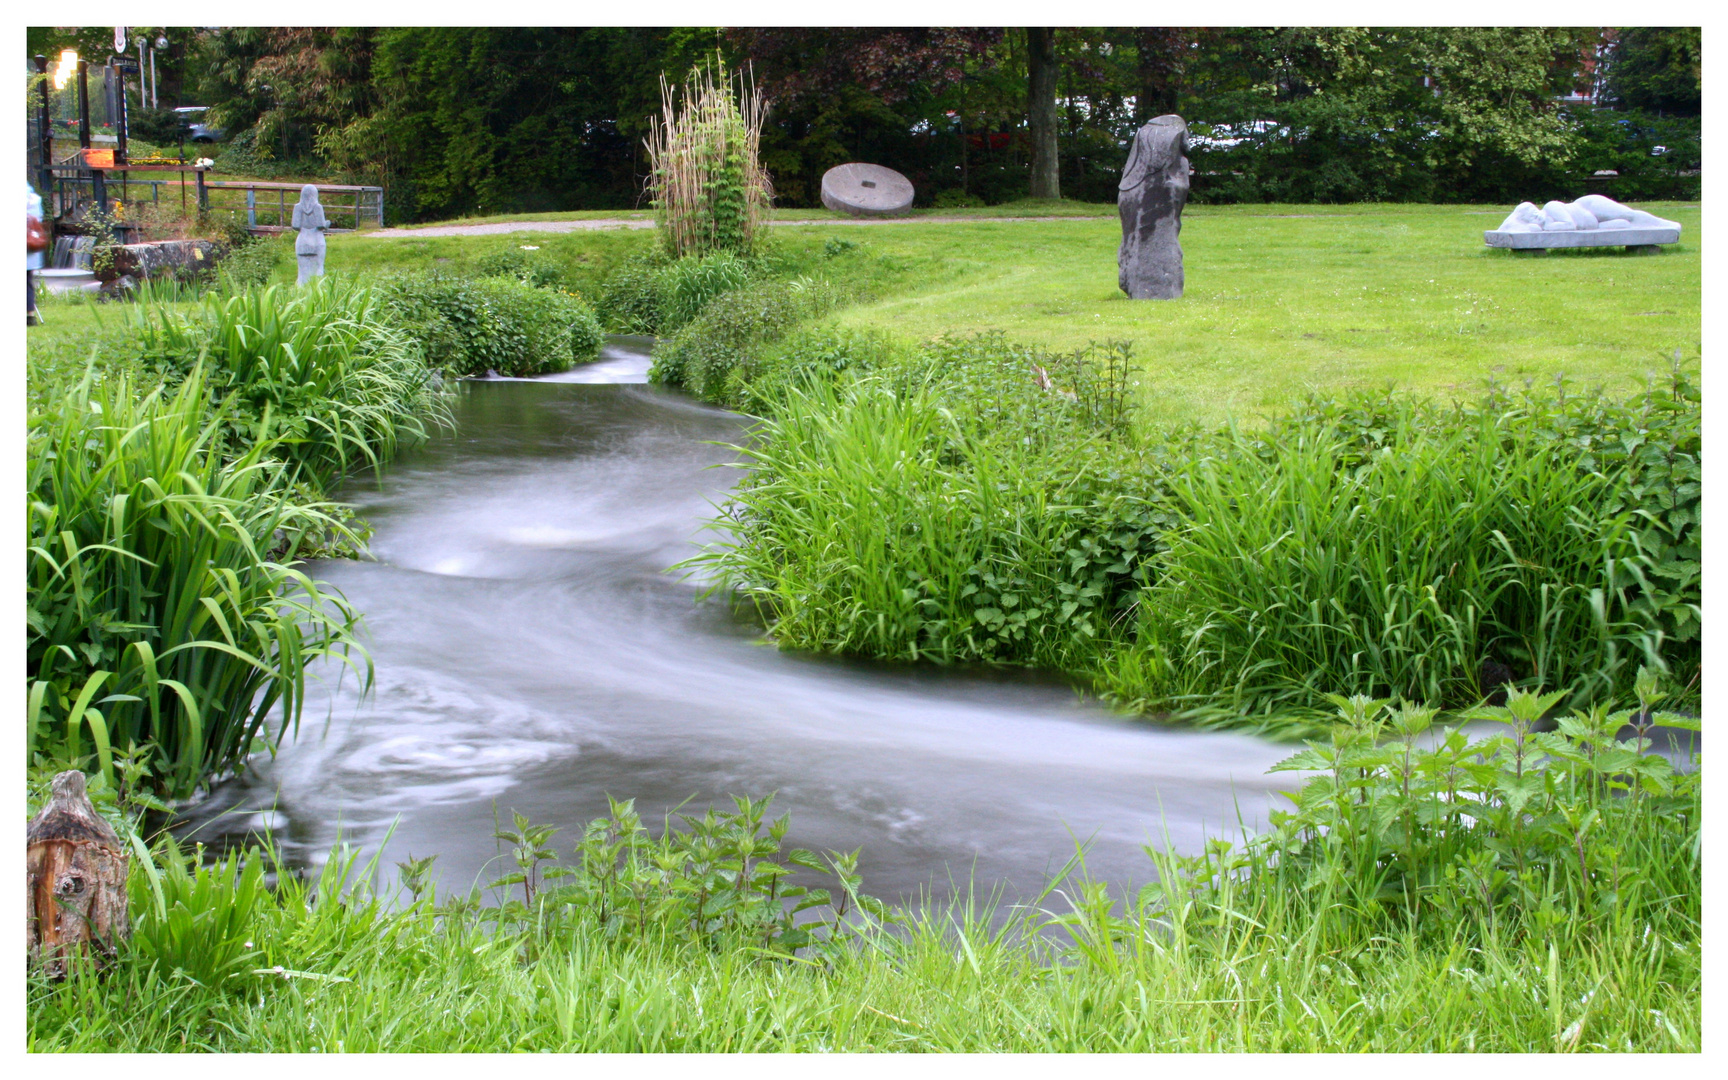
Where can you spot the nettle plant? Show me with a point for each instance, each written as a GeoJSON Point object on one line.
{"type": "Point", "coordinates": [1537, 823]}
{"type": "Point", "coordinates": [722, 879]}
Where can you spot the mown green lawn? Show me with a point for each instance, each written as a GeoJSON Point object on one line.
{"type": "Point", "coordinates": [1280, 299]}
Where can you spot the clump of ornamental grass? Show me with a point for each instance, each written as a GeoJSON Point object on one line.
{"type": "Point", "coordinates": [974, 502]}
{"type": "Point", "coordinates": [709, 188]}
{"type": "Point", "coordinates": [319, 372]}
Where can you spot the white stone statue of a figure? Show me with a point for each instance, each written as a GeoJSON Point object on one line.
{"type": "Point", "coordinates": [1592, 212]}
{"type": "Point", "coordinates": [310, 223]}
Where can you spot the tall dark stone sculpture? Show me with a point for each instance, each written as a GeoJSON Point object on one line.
{"type": "Point", "coordinates": [1150, 198]}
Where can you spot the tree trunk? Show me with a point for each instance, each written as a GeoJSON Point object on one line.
{"type": "Point", "coordinates": [1041, 111]}
{"type": "Point", "coordinates": [75, 880]}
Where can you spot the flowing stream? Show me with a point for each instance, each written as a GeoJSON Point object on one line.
{"type": "Point", "coordinates": [533, 654]}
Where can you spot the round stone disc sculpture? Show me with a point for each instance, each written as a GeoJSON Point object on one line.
{"type": "Point", "coordinates": [866, 191]}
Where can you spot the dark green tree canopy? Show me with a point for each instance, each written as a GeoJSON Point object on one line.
{"type": "Point", "coordinates": [489, 119]}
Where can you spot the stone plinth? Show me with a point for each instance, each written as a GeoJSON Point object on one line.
{"type": "Point", "coordinates": [1581, 238]}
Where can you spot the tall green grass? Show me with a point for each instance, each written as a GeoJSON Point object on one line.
{"type": "Point", "coordinates": [881, 519]}
{"type": "Point", "coordinates": [980, 500]}
{"type": "Point", "coordinates": [163, 611]}
{"type": "Point", "coordinates": [317, 371]}
{"type": "Point", "coordinates": [1384, 545]}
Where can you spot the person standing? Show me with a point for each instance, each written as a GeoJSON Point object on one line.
{"type": "Point", "coordinates": [35, 243]}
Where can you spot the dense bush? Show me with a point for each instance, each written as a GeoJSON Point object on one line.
{"type": "Point", "coordinates": [631, 301]}
{"type": "Point", "coordinates": [467, 326]}
{"type": "Point", "coordinates": [975, 501]}
{"type": "Point", "coordinates": [687, 285]}
{"type": "Point", "coordinates": [650, 294]}
{"type": "Point", "coordinates": [250, 264]}
{"type": "Point", "coordinates": [539, 272]}
{"type": "Point", "coordinates": [162, 612]}
{"type": "Point", "coordinates": [714, 356]}
{"type": "Point", "coordinates": [1384, 545]}
{"type": "Point", "coordinates": [1320, 150]}
{"type": "Point", "coordinates": [319, 371]}
{"type": "Point", "coordinates": [1520, 831]}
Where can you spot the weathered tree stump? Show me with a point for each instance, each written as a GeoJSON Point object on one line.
{"type": "Point", "coordinates": [75, 881]}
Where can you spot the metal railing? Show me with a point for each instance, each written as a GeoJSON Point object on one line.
{"type": "Point", "coordinates": [268, 205]}
{"type": "Point", "coordinates": [360, 205]}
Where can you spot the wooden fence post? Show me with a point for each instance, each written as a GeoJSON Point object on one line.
{"type": "Point", "coordinates": [75, 880]}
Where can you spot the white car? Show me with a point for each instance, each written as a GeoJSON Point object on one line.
{"type": "Point", "coordinates": [1225, 136]}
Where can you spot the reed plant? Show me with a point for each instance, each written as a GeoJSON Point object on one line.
{"type": "Point", "coordinates": [709, 189]}
{"type": "Point", "coordinates": [163, 611]}
{"type": "Point", "coordinates": [319, 373]}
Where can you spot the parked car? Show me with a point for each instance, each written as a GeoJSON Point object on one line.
{"type": "Point", "coordinates": [198, 131]}
{"type": "Point", "coordinates": [1227, 136]}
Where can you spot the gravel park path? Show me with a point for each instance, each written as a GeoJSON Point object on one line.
{"type": "Point", "coordinates": [643, 223]}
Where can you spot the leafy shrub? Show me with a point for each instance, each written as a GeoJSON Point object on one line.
{"type": "Point", "coordinates": [249, 265]}
{"type": "Point", "coordinates": [834, 247]}
{"type": "Point", "coordinates": [1525, 828]}
{"type": "Point", "coordinates": [318, 372]}
{"type": "Point", "coordinates": [529, 270]}
{"type": "Point", "coordinates": [160, 609]}
{"type": "Point", "coordinates": [468, 326]}
{"type": "Point", "coordinates": [713, 356]}
{"type": "Point", "coordinates": [1384, 545]}
{"type": "Point", "coordinates": [163, 127]}
{"type": "Point", "coordinates": [687, 285]}
{"type": "Point", "coordinates": [954, 198]}
{"type": "Point", "coordinates": [722, 880]}
{"type": "Point", "coordinates": [815, 354]}
{"type": "Point", "coordinates": [543, 330]}
{"type": "Point", "coordinates": [650, 294]}
{"type": "Point", "coordinates": [631, 301]}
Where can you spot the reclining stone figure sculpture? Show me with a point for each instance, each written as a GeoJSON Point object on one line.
{"type": "Point", "coordinates": [1591, 221]}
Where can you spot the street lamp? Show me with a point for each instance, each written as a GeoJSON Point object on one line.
{"type": "Point", "coordinates": [64, 67]}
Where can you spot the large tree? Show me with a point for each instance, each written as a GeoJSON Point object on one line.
{"type": "Point", "coordinates": [906, 97]}
{"type": "Point", "coordinates": [1658, 68]}
{"type": "Point", "coordinates": [1041, 114]}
